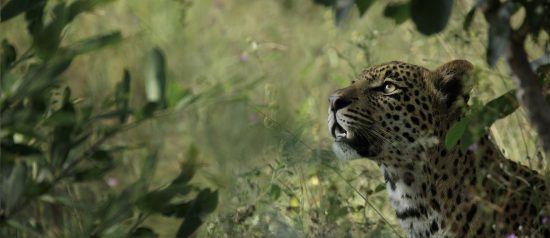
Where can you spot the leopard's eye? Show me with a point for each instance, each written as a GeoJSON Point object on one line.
{"type": "Point", "coordinates": [388, 88]}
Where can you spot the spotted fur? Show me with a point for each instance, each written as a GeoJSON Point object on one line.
{"type": "Point", "coordinates": [397, 114]}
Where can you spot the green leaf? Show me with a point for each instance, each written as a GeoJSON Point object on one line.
{"type": "Point", "coordinates": [455, 132]}
{"type": "Point", "coordinates": [476, 124]}
{"type": "Point", "coordinates": [175, 93]}
{"type": "Point", "coordinates": [205, 203]}
{"type": "Point", "coordinates": [275, 191]}
{"type": "Point", "coordinates": [95, 43]}
{"type": "Point", "coordinates": [483, 119]}
{"type": "Point", "coordinates": [14, 186]}
{"type": "Point", "coordinates": [429, 16]}
{"type": "Point", "coordinates": [149, 165]}
{"type": "Point", "coordinates": [6, 85]}
{"type": "Point", "coordinates": [399, 12]}
{"type": "Point", "coordinates": [363, 6]}
{"type": "Point", "coordinates": [25, 227]}
{"type": "Point", "coordinates": [469, 18]}
{"type": "Point", "coordinates": [155, 76]}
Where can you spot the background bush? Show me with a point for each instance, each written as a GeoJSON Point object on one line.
{"type": "Point", "coordinates": [240, 109]}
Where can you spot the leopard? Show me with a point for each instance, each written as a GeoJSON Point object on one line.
{"type": "Point", "coordinates": [397, 115]}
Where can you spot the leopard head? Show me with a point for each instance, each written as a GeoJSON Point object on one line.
{"type": "Point", "coordinates": [390, 107]}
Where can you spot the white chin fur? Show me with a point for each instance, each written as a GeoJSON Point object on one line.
{"type": "Point", "coordinates": [344, 151]}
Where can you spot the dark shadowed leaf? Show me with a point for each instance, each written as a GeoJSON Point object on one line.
{"type": "Point", "coordinates": [148, 110]}
{"type": "Point", "coordinates": [143, 232]}
{"type": "Point", "coordinates": [399, 12]}
{"type": "Point", "coordinates": [20, 149]}
{"type": "Point", "coordinates": [342, 8]}
{"type": "Point", "coordinates": [9, 55]}
{"type": "Point", "coordinates": [149, 165]}
{"type": "Point", "coordinates": [98, 165]}
{"type": "Point", "coordinates": [116, 209]}
{"type": "Point", "coordinates": [47, 39]}
{"type": "Point", "coordinates": [469, 18]}
{"type": "Point", "coordinates": [33, 188]}
{"type": "Point", "coordinates": [380, 187]}
{"type": "Point", "coordinates": [429, 16]}
{"type": "Point", "coordinates": [205, 203]}
{"type": "Point", "coordinates": [122, 96]}
{"type": "Point", "coordinates": [158, 201]}
{"type": "Point", "coordinates": [326, 3]}
{"type": "Point", "coordinates": [64, 126]}
{"type": "Point", "coordinates": [176, 209]}
{"type": "Point", "coordinates": [90, 173]}
{"type": "Point", "coordinates": [499, 32]}
{"type": "Point", "coordinates": [363, 6]}
{"type": "Point", "coordinates": [34, 18]}
{"type": "Point", "coordinates": [15, 7]}
{"type": "Point", "coordinates": [188, 167]}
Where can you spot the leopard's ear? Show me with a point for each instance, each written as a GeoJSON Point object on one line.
{"type": "Point", "coordinates": [452, 81]}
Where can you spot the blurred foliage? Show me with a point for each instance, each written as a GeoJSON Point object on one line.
{"type": "Point", "coordinates": [53, 146]}
{"type": "Point", "coordinates": [233, 93]}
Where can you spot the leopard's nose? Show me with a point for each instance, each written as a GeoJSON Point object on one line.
{"type": "Point", "coordinates": [338, 102]}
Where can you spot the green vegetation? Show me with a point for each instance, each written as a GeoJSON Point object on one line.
{"type": "Point", "coordinates": [143, 118]}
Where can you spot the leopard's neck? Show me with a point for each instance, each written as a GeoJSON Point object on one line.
{"type": "Point", "coordinates": [418, 189]}
{"type": "Point", "coordinates": [408, 192]}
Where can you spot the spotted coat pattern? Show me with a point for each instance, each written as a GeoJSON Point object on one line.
{"type": "Point", "coordinates": [397, 114]}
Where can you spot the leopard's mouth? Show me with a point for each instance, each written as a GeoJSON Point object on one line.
{"type": "Point", "coordinates": [346, 142]}
{"type": "Point", "coordinates": [338, 132]}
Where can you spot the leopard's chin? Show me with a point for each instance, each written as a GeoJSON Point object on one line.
{"type": "Point", "coordinates": [350, 149]}
{"type": "Point", "coordinates": [344, 151]}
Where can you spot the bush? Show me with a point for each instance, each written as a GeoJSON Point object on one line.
{"type": "Point", "coordinates": [54, 148]}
